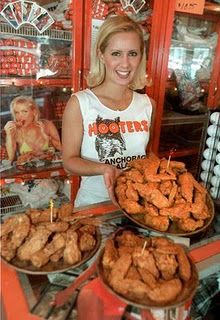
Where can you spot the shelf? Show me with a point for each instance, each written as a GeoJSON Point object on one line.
{"type": "Point", "coordinates": [175, 118]}
{"type": "Point", "coordinates": [5, 29]}
{"type": "Point", "coordinates": [33, 82]}
{"type": "Point", "coordinates": [15, 175]}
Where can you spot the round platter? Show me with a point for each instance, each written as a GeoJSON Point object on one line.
{"type": "Point", "coordinates": [186, 294]}
{"type": "Point", "coordinates": [53, 267]}
{"type": "Point", "coordinates": [173, 228]}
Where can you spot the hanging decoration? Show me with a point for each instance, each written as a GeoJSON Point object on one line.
{"type": "Point", "coordinates": [135, 5]}
{"type": "Point", "coordinates": [23, 12]}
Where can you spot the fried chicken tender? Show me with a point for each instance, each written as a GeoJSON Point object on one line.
{"type": "Point", "coordinates": [71, 253]}
{"type": "Point", "coordinates": [186, 184]}
{"type": "Point", "coordinates": [131, 206]}
{"type": "Point", "coordinates": [189, 224]}
{"type": "Point", "coordinates": [166, 291]}
{"type": "Point", "coordinates": [181, 211]}
{"type": "Point", "coordinates": [159, 177]}
{"type": "Point", "coordinates": [33, 244]}
{"type": "Point", "coordinates": [158, 199]}
{"type": "Point", "coordinates": [151, 165]}
{"type": "Point", "coordinates": [184, 265]}
{"type": "Point", "coordinates": [65, 210]}
{"type": "Point", "coordinates": [175, 166]}
{"type": "Point", "coordinates": [159, 223]}
{"type": "Point", "coordinates": [145, 189]}
{"type": "Point", "coordinates": [41, 257]}
{"type": "Point", "coordinates": [86, 242]}
{"type": "Point", "coordinates": [144, 259]}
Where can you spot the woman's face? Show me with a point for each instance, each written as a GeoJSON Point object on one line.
{"type": "Point", "coordinates": [122, 57]}
{"type": "Point", "coordinates": [24, 115]}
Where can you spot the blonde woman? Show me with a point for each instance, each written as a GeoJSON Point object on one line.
{"type": "Point", "coordinates": [108, 124]}
{"type": "Point", "coordinates": [26, 132]}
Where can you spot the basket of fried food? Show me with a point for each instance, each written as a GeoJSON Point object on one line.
{"type": "Point", "coordinates": [38, 242]}
{"type": "Point", "coordinates": [148, 272]}
{"type": "Point", "coordinates": [162, 195]}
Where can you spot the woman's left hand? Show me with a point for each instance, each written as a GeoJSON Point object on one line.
{"type": "Point", "coordinates": [110, 175]}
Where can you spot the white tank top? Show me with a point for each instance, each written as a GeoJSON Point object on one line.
{"type": "Point", "coordinates": [112, 137]}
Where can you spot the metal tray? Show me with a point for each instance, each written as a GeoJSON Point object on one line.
{"type": "Point", "coordinates": [187, 293]}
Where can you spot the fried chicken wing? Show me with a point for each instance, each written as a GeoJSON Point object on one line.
{"type": "Point", "coordinates": [166, 263]}
{"type": "Point", "coordinates": [130, 192]}
{"type": "Point", "coordinates": [189, 224]}
{"type": "Point", "coordinates": [145, 260]}
{"type": "Point", "coordinates": [165, 291]}
{"type": "Point", "coordinates": [87, 242]}
{"type": "Point", "coordinates": [134, 175]}
{"type": "Point", "coordinates": [58, 226]}
{"type": "Point", "coordinates": [38, 216]}
{"type": "Point", "coordinates": [65, 210]}
{"type": "Point", "coordinates": [160, 223]}
{"type": "Point", "coordinates": [129, 239]}
{"type": "Point", "coordinates": [199, 208]}
{"type": "Point", "coordinates": [8, 252]}
{"type": "Point", "coordinates": [184, 265]}
{"type": "Point", "coordinates": [110, 255]}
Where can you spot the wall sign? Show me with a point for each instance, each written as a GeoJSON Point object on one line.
{"type": "Point", "coordinates": [23, 12]}
{"type": "Point", "coordinates": [190, 6]}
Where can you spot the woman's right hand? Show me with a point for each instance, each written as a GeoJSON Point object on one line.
{"type": "Point", "coordinates": [10, 128]}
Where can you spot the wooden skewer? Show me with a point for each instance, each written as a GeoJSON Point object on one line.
{"type": "Point", "coordinates": [51, 210]}
{"type": "Point", "coordinates": [144, 246]}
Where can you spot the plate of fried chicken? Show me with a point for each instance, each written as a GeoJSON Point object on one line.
{"type": "Point", "coordinates": [148, 272]}
{"type": "Point", "coordinates": [39, 241]}
{"type": "Point", "coordinates": [162, 195]}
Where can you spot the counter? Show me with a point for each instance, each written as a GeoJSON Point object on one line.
{"type": "Point", "coordinates": [30, 297]}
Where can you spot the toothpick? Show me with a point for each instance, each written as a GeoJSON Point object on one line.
{"type": "Point", "coordinates": [51, 210]}
{"type": "Point", "coordinates": [144, 246]}
{"type": "Point", "coordinates": [168, 162]}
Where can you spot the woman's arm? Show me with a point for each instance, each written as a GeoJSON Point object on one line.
{"type": "Point", "coordinates": [10, 144]}
{"type": "Point", "coordinates": [53, 134]}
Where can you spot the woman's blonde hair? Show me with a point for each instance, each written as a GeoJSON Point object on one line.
{"type": "Point", "coordinates": [28, 102]}
{"type": "Point", "coordinates": [112, 26]}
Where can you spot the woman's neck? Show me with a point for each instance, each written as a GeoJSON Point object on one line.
{"type": "Point", "coordinates": [115, 98]}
